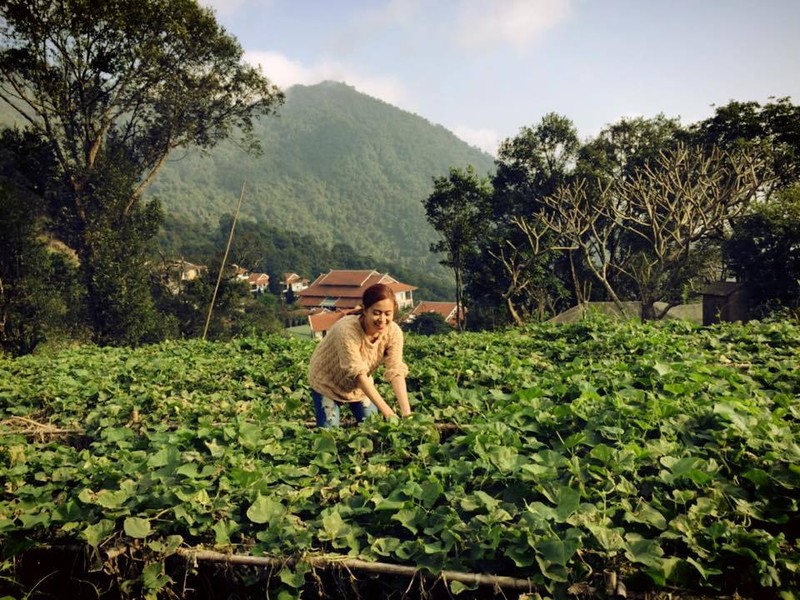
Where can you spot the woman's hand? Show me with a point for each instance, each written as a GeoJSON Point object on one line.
{"type": "Point", "coordinates": [367, 385]}
{"type": "Point", "coordinates": [400, 391]}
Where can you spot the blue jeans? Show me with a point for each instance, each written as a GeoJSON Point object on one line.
{"type": "Point", "coordinates": [326, 410]}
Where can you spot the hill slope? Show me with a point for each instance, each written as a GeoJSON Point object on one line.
{"type": "Point", "coordinates": [337, 165]}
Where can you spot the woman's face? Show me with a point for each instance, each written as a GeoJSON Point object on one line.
{"type": "Point", "coordinates": [378, 316]}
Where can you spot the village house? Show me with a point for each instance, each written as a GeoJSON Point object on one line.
{"type": "Point", "coordinates": [337, 292]}
{"type": "Point", "coordinates": [446, 309]}
{"type": "Point", "coordinates": [321, 320]}
{"type": "Point", "coordinates": [179, 271]}
{"type": "Point", "coordinates": [258, 282]}
{"type": "Point", "coordinates": [294, 283]}
{"type": "Point", "coordinates": [190, 271]}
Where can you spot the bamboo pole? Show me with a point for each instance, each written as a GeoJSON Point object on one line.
{"type": "Point", "coordinates": [224, 260]}
{"type": "Point", "coordinates": [355, 564]}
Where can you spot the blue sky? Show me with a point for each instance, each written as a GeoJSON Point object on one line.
{"type": "Point", "coordinates": [485, 68]}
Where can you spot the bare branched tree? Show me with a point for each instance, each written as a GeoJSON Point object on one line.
{"type": "Point", "coordinates": [667, 213]}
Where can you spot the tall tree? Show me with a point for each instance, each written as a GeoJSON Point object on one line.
{"type": "Point", "coordinates": [457, 209]}
{"type": "Point", "coordinates": [114, 86]}
{"type": "Point", "coordinates": [516, 268]}
{"type": "Point", "coordinates": [671, 207]}
{"type": "Point", "coordinates": [617, 154]}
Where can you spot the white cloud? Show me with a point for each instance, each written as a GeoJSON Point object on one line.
{"type": "Point", "coordinates": [285, 72]}
{"type": "Point", "coordinates": [520, 23]}
{"type": "Point", "coordinates": [393, 13]}
{"type": "Point", "coordinates": [484, 138]}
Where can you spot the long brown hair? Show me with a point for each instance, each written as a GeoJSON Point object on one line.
{"type": "Point", "coordinates": [375, 293]}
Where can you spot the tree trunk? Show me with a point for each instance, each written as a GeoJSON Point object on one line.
{"type": "Point", "coordinates": [648, 311]}
{"type": "Point", "coordinates": [461, 317]}
{"type": "Point", "coordinates": [514, 314]}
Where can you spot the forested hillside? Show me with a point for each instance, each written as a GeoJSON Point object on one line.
{"type": "Point", "coordinates": [336, 165]}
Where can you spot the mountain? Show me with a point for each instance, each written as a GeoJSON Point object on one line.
{"type": "Point", "coordinates": [337, 165]}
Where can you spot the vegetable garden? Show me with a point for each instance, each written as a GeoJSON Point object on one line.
{"type": "Point", "coordinates": [594, 460]}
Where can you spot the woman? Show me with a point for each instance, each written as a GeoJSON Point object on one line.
{"type": "Point", "coordinates": [341, 367]}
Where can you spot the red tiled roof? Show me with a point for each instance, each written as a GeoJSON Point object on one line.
{"type": "Point", "coordinates": [291, 277]}
{"type": "Point", "coordinates": [446, 309]}
{"type": "Point", "coordinates": [324, 320]}
{"type": "Point", "coordinates": [353, 278]}
{"type": "Point", "coordinates": [344, 289]}
{"type": "Point", "coordinates": [322, 291]}
{"type": "Point", "coordinates": [443, 308]}
{"type": "Point", "coordinates": [401, 287]}
{"type": "Point", "coordinates": [254, 278]}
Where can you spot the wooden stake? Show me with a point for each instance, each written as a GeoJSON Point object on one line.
{"type": "Point", "coordinates": [224, 260]}
{"type": "Point", "coordinates": [357, 565]}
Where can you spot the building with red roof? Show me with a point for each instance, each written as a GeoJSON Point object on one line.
{"type": "Point", "coordinates": [331, 295]}
{"type": "Point", "coordinates": [258, 282]}
{"type": "Point", "coordinates": [446, 309]}
{"type": "Point", "coordinates": [342, 290]}
{"type": "Point", "coordinates": [294, 282]}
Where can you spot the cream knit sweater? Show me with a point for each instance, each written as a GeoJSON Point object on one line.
{"type": "Point", "coordinates": [346, 352]}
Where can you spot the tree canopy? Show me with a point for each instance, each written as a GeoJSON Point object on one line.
{"type": "Point", "coordinates": [112, 87]}
{"type": "Point", "coordinates": [647, 211]}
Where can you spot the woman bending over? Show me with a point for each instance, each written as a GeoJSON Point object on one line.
{"type": "Point", "coordinates": [341, 367]}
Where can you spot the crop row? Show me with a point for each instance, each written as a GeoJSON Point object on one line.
{"type": "Point", "coordinates": [665, 453]}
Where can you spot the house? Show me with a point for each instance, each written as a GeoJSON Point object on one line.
{"type": "Point", "coordinates": [293, 282]}
{"type": "Point", "coordinates": [446, 309]}
{"type": "Point", "coordinates": [725, 301]}
{"type": "Point", "coordinates": [190, 271]}
{"type": "Point", "coordinates": [180, 271]}
{"type": "Point", "coordinates": [321, 320]}
{"type": "Point", "coordinates": [238, 272]}
{"type": "Point", "coordinates": [342, 290]}
{"type": "Point", "coordinates": [258, 282]}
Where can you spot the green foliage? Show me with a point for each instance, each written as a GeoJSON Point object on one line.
{"type": "Point", "coordinates": [261, 247]}
{"type": "Point", "coordinates": [38, 292]}
{"type": "Point", "coordinates": [774, 126]}
{"type": "Point", "coordinates": [665, 453]}
{"type": "Point", "coordinates": [24, 299]}
{"type": "Point", "coordinates": [430, 323]}
{"type": "Point", "coordinates": [533, 164]}
{"type": "Point", "coordinates": [113, 87]}
{"type": "Point", "coordinates": [764, 251]}
{"type": "Point", "coordinates": [337, 167]}
{"type": "Point", "coordinates": [457, 208]}
{"type": "Point", "coordinates": [514, 277]}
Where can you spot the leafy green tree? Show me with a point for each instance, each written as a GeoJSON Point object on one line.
{"type": "Point", "coordinates": [515, 267]}
{"type": "Point", "coordinates": [532, 165]}
{"type": "Point", "coordinates": [457, 210]}
{"type": "Point", "coordinates": [114, 86]}
{"type": "Point", "coordinates": [23, 261]}
{"type": "Point", "coordinates": [774, 127]}
{"type": "Point", "coordinates": [37, 291]}
{"type": "Point", "coordinates": [627, 145]}
{"type": "Point", "coordinates": [764, 251]}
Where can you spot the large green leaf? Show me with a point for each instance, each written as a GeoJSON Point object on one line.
{"type": "Point", "coordinates": [137, 527]}
{"type": "Point", "coordinates": [265, 509]}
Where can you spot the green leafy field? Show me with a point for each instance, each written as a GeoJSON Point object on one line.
{"type": "Point", "coordinates": [666, 455]}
